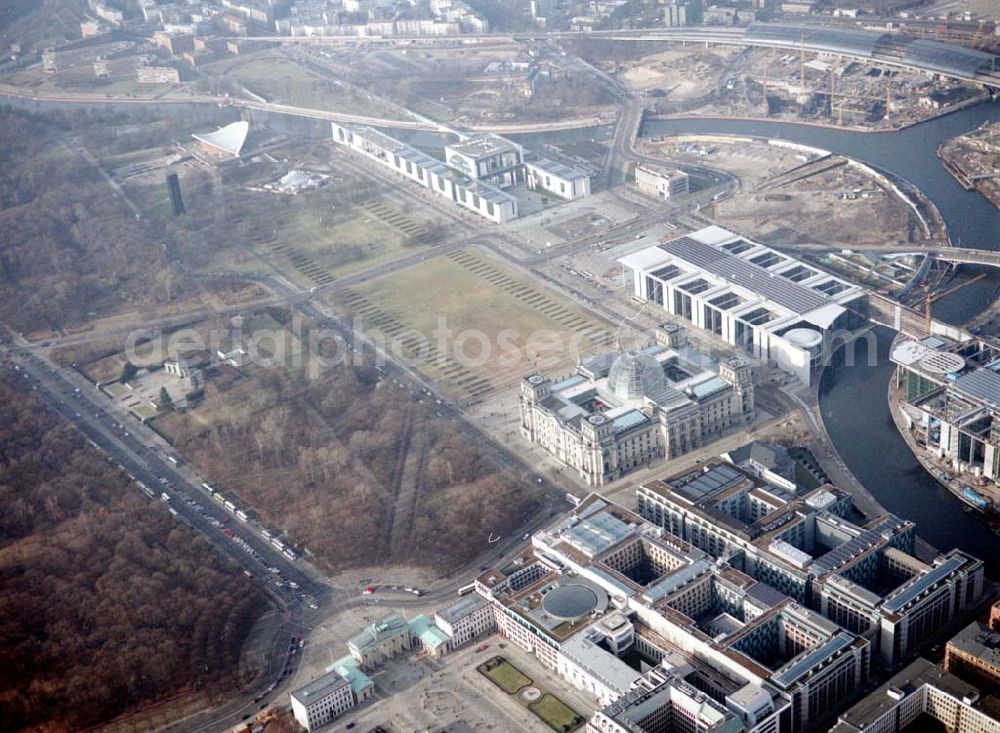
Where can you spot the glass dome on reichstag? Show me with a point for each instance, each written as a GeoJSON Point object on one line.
{"type": "Point", "coordinates": [634, 375]}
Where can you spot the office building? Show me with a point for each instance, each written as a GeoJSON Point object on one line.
{"type": "Point", "coordinates": [466, 620]}
{"type": "Point", "coordinates": [475, 172]}
{"type": "Point", "coordinates": [472, 193]}
{"type": "Point", "coordinates": [550, 176]}
{"type": "Point", "coordinates": [323, 699]}
{"type": "Point", "coordinates": [619, 412]}
{"type": "Point", "coordinates": [974, 655]}
{"type": "Point", "coordinates": [660, 182]}
{"type": "Point", "coordinates": [801, 543]}
{"type": "Point", "coordinates": [950, 391]}
{"type": "Point", "coordinates": [602, 591]}
{"type": "Point", "coordinates": [662, 702]}
{"type": "Point", "coordinates": [767, 304]}
{"type": "Point", "coordinates": [923, 696]}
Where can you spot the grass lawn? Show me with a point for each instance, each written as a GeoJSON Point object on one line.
{"type": "Point", "coordinates": [499, 323]}
{"type": "Point", "coordinates": [556, 714]}
{"type": "Point", "coordinates": [504, 675]}
{"type": "Point", "coordinates": [344, 244]}
{"type": "Point", "coordinates": [282, 80]}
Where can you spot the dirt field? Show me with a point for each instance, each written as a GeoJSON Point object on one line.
{"type": "Point", "coordinates": [683, 73]}
{"type": "Point", "coordinates": [840, 205]}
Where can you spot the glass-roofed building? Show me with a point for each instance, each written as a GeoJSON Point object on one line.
{"type": "Point", "coordinates": [766, 303]}
{"type": "Point", "coordinates": [618, 412]}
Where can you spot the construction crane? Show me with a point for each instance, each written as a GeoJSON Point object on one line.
{"type": "Point", "coordinates": [935, 297]}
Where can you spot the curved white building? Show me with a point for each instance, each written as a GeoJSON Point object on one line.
{"type": "Point", "coordinates": [228, 139]}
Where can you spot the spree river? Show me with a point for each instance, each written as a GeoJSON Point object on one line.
{"type": "Point", "coordinates": [853, 398]}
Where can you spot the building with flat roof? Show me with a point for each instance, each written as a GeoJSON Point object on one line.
{"type": "Point", "coordinates": [974, 655]}
{"type": "Point", "coordinates": [488, 158]}
{"type": "Point", "coordinates": [474, 172]}
{"type": "Point", "coordinates": [922, 689]}
{"type": "Point", "coordinates": [950, 391]}
{"type": "Point", "coordinates": [465, 620]}
{"type": "Point", "coordinates": [550, 176]}
{"type": "Point", "coordinates": [661, 182]}
{"type": "Point", "coordinates": [619, 412]}
{"type": "Point", "coordinates": [767, 304]}
{"type": "Point", "coordinates": [468, 192]}
{"type": "Point", "coordinates": [662, 702]}
{"type": "Point", "coordinates": [801, 543]}
{"type": "Point", "coordinates": [602, 591]}
{"type": "Point", "coordinates": [321, 700]}
{"type": "Point", "coordinates": [771, 463]}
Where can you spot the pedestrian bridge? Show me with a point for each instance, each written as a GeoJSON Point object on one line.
{"type": "Point", "coordinates": [955, 255]}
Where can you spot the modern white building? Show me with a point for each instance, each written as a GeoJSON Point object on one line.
{"type": "Point", "coordinates": [465, 190]}
{"type": "Point", "coordinates": [660, 182]}
{"type": "Point", "coordinates": [488, 158]}
{"type": "Point", "coordinates": [228, 139]}
{"type": "Point", "coordinates": [466, 620]}
{"type": "Point", "coordinates": [475, 172]}
{"type": "Point", "coordinates": [322, 700]}
{"type": "Point", "coordinates": [553, 177]}
{"type": "Point", "coordinates": [620, 412]}
{"type": "Point", "coordinates": [768, 304]}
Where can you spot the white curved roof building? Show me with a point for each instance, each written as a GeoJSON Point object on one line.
{"type": "Point", "coordinates": [228, 139]}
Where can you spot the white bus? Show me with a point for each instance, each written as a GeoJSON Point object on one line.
{"type": "Point", "coordinates": [289, 554]}
{"type": "Point", "coordinates": [466, 589]}
{"type": "Point", "coordinates": [208, 488]}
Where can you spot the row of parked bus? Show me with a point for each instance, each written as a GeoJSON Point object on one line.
{"type": "Point", "coordinates": [240, 514]}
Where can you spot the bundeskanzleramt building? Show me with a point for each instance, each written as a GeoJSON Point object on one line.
{"type": "Point", "coordinates": [463, 189]}
{"type": "Point", "coordinates": [620, 412]}
{"type": "Point", "coordinates": [767, 304]}
{"type": "Point", "coordinates": [474, 173]}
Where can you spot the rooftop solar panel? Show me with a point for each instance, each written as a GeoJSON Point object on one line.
{"type": "Point", "coordinates": [899, 600]}
{"type": "Point", "coordinates": [982, 385]}
{"type": "Point", "coordinates": [740, 272]}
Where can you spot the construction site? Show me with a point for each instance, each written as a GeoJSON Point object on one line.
{"type": "Point", "coordinates": [793, 194]}
{"type": "Point", "coordinates": [790, 85]}
{"type": "Point", "coordinates": [974, 161]}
